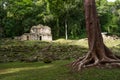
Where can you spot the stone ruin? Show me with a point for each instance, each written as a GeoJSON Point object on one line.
{"type": "Point", "coordinates": [113, 37]}
{"type": "Point", "coordinates": [38, 32]}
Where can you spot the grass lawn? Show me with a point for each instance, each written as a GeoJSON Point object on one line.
{"type": "Point", "coordinates": [53, 71]}
{"type": "Point", "coordinates": [57, 69]}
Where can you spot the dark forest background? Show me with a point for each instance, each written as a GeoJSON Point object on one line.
{"type": "Point", "coordinates": [18, 16]}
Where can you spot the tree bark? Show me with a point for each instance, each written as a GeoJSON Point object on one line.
{"type": "Point", "coordinates": [98, 54]}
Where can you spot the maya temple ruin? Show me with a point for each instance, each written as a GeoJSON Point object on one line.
{"type": "Point", "coordinates": [38, 32]}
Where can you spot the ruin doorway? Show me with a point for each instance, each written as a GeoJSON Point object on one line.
{"type": "Point", "coordinates": [27, 37]}
{"type": "Point", "coordinates": [40, 38]}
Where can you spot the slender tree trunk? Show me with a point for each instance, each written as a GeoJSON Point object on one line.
{"type": "Point", "coordinates": [66, 31]}
{"type": "Point", "coordinates": [58, 30]}
{"type": "Point", "coordinates": [98, 54]}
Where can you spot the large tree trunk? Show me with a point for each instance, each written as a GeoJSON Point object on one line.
{"type": "Point", "coordinates": [98, 54]}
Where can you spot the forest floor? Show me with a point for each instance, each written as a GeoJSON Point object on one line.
{"type": "Point", "coordinates": [57, 69]}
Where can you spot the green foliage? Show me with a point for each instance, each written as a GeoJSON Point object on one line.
{"type": "Point", "coordinates": [109, 16]}
{"type": "Point", "coordinates": [18, 16]}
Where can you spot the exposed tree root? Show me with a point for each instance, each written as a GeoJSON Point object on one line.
{"type": "Point", "coordinates": [94, 61]}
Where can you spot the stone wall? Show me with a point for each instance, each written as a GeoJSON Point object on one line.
{"type": "Point", "coordinates": [38, 32]}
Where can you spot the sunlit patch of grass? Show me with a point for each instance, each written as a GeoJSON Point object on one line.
{"type": "Point", "coordinates": [111, 42]}
{"type": "Point", "coordinates": [13, 70]}
{"type": "Point", "coordinates": [84, 42]}
{"type": "Point", "coordinates": [81, 42]}
{"type": "Point", "coordinates": [62, 41]}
